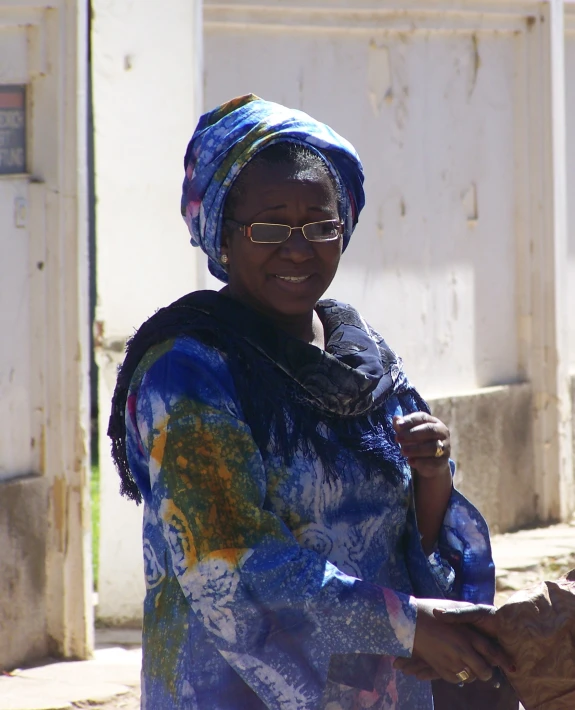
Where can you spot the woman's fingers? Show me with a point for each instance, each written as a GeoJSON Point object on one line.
{"type": "Point", "coordinates": [416, 667]}
{"type": "Point", "coordinates": [448, 649]}
{"type": "Point", "coordinates": [492, 652]}
{"type": "Point", "coordinates": [423, 439]}
{"type": "Point", "coordinates": [425, 449]}
{"type": "Point", "coordinates": [481, 616]}
{"type": "Point", "coordinates": [464, 614]}
{"type": "Point", "coordinates": [473, 662]}
{"type": "Point", "coordinates": [419, 425]}
{"type": "Point", "coordinates": [427, 673]}
{"type": "Point", "coordinates": [429, 431]}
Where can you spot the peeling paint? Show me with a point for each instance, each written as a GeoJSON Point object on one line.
{"type": "Point", "coordinates": [42, 450]}
{"type": "Point", "coordinates": [475, 65]}
{"type": "Point", "coordinates": [454, 298]}
{"type": "Point", "coordinates": [380, 230]}
{"type": "Point", "coordinates": [379, 79]}
{"type": "Point", "coordinates": [98, 333]}
{"type": "Point", "coordinates": [45, 547]}
{"type": "Point", "coordinates": [469, 201]}
{"type": "Point", "coordinates": [401, 115]}
{"type": "Point", "coordinates": [23, 581]}
{"type": "Point", "coordinates": [60, 512]}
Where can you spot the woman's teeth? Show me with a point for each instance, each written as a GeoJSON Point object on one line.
{"type": "Point", "coordinates": [293, 279]}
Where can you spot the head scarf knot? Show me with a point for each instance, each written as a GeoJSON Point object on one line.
{"type": "Point", "coordinates": [228, 137]}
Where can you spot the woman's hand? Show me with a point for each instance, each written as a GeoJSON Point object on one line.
{"type": "Point", "coordinates": [445, 650]}
{"type": "Point", "coordinates": [481, 616]}
{"type": "Point", "coordinates": [425, 443]}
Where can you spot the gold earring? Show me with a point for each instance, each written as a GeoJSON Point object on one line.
{"type": "Point", "coordinates": [224, 259]}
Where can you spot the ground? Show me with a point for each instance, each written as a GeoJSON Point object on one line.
{"type": "Point", "coordinates": [128, 701]}
{"type": "Point", "coordinates": [549, 568]}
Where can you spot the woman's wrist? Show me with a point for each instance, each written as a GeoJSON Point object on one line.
{"type": "Point", "coordinates": [432, 496]}
{"type": "Point", "coordinates": [442, 477]}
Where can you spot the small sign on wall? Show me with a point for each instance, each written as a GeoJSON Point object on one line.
{"type": "Point", "coordinates": [12, 129]}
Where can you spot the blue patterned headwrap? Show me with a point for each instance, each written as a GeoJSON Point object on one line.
{"type": "Point", "coordinates": [228, 137]}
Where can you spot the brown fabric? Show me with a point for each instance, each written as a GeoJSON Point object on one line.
{"type": "Point", "coordinates": [537, 628]}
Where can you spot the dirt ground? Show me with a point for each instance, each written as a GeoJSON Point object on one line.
{"type": "Point", "coordinates": [549, 569]}
{"type": "Point", "coordinates": [128, 701]}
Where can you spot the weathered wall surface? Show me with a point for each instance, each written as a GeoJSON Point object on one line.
{"type": "Point", "coordinates": [432, 264]}
{"type": "Point", "coordinates": [491, 438]}
{"type": "Point", "coordinates": [121, 585]}
{"type": "Point", "coordinates": [145, 111]}
{"type": "Point", "coordinates": [146, 104]}
{"type": "Point", "coordinates": [23, 525]}
{"type": "Point", "coordinates": [573, 410]}
{"type": "Point", "coordinates": [45, 564]}
{"type": "Point", "coordinates": [570, 102]}
{"type": "Point", "coordinates": [461, 258]}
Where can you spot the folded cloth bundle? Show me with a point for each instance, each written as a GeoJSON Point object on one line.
{"type": "Point", "coordinates": [537, 628]}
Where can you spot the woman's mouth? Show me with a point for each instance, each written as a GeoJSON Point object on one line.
{"type": "Point", "coordinates": [292, 279]}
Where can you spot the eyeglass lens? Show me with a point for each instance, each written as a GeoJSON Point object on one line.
{"type": "Point", "coordinates": [276, 233]}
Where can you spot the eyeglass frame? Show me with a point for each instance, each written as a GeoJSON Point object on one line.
{"type": "Point", "coordinates": [246, 230]}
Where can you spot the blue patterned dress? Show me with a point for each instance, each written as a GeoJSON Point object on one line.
{"type": "Point", "coordinates": [268, 587]}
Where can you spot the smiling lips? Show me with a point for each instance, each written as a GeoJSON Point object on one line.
{"type": "Point", "coordinates": [292, 279]}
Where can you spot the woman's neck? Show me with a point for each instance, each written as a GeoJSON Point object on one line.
{"type": "Point", "coordinates": [306, 326]}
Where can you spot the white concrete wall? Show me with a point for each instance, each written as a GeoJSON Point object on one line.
{"type": "Point", "coordinates": [146, 74]}
{"type": "Point", "coordinates": [45, 564]}
{"type": "Point", "coordinates": [456, 114]}
{"type": "Point", "coordinates": [146, 93]}
{"type": "Point", "coordinates": [460, 258]}
{"type": "Point", "coordinates": [492, 443]}
{"type": "Point", "coordinates": [433, 114]}
{"type": "Point", "coordinates": [570, 101]}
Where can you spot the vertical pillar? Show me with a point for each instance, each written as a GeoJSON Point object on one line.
{"type": "Point", "coordinates": [549, 298]}
{"type": "Point", "coordinates": [69, 622]}
{"type": "Point", "coordinates": [146, 103]}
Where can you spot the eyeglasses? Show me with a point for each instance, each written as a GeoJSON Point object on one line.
{"type": "Point", "coordinates": [266, 233]}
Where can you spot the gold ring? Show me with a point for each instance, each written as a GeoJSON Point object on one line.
{"type": "Point", "coordinates": [439, 450]}
{"type": "Point", "coordinates": [463, 675]}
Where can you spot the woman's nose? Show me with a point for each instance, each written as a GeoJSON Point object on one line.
{"type": "Point", "coordinates": [297, 248]}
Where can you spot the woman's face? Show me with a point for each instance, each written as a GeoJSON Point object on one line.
{"type": "Point", "coordinates": [261, 275]}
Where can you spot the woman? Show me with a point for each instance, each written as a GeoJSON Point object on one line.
{"type": "Point", "coordinates": [298, 493]}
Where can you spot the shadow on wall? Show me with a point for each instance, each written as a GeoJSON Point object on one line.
{"type": "Point", "coordinates": [491, 440]}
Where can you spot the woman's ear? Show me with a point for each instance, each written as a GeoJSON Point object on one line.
{"type": "Point", "coordinates": [225, 237]}
{"type": "Point", "coordinates": [224, 258]}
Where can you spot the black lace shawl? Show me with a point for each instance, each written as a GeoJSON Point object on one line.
{"type": "Point", "coordinates": [293, 395]}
